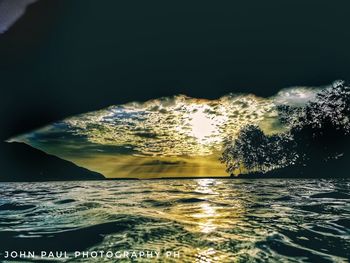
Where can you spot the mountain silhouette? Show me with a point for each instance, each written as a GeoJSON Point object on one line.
{"type": "Point", "coordinates": [20, 162]}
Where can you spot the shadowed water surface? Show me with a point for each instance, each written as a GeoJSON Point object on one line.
{"type": "Point", "coordinates": [206, 220]}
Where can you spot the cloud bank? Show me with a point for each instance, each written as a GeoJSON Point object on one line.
{"type": "Point", "coordinates": [11, 11]}
{"type": "Point", "coordinates": [161, 135]}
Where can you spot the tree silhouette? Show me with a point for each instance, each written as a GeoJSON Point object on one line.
{"type": "Point", "coordinates": [253, 151]}
{"type": "Point", "coordinates": [322, 130]}
{"type": "Point", "coordinates": [318, 132]}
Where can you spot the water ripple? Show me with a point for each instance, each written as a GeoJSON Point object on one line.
{"type": "Point", "coordinates": [206, 220]}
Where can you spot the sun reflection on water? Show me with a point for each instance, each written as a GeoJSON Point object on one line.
{"type": "Point", "coordinates": [207, 208]}
{"type": "Point", "coordinates": [207, 256]}
{"type": "Point", "coordinates": [205, 220]}
{"type": "Point", "coordinates": [209, 218]}
{"type": "Point", "coordinates": [207, 213]}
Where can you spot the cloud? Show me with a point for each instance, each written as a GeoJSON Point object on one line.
{"type": "Point", "coordinates": [148, 135]}
{"type": "Point", "coordinates": [162, 162]}
{"type": "Point", "coordinates": [11, 11]}
{"type": "Point", "coordinates": [164, 127]}
{"type": "Point", "coordinates": [171, 126]}
{"type": "Point", "coordinates": [168, 136]}
{"type": "Point", "coordinates": [296, 96]}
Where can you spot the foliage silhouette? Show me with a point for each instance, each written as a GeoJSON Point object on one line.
{"type": "Point", "coordinates": [316, 143]}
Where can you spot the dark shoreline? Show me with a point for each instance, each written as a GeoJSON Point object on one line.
{"type": "Point", "coordinates": [181, 178]}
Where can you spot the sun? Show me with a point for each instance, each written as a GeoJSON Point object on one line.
{"type": "Point", "coordinates": [203, 127]}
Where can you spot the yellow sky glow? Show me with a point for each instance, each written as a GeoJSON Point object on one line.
{"type": "Point", "coordinates": [166, 137]}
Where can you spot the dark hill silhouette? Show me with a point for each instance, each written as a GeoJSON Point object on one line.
{"type": "Point", "coordinates": [20, 162]}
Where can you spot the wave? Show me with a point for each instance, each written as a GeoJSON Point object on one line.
{"type": "Point", "coordinates": [299, 221]}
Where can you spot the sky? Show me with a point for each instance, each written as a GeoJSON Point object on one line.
{"type": "Point", "coordinates": [164, 137]}
{"type": "Point", "coordinates": [65, 57]}
{"type": "Point", "coordinates": [62, 58]}
{"type": "Point", "coordinates": [10, 11]}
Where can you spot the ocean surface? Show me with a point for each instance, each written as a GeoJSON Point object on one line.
{"type": "Point", "coordinates": [204, 220]}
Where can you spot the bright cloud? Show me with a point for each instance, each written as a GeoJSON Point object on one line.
{"type": "Point", "coordinates": [173, 135]}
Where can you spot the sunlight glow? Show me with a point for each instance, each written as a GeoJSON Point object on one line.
{"type": "Point", "coordinates": [203, 127]}
{"type": "Point", "coordinates": [164, 137]}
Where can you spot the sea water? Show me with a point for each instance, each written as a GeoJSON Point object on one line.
{"type": "Point", "coordinates": [197, 220]}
